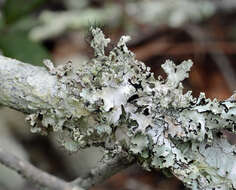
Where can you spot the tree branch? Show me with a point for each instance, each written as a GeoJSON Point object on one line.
{"type": "Point", "coordinates": [114, 101]}
{"type": "Point", "coordinates": [34, 174]}
{"type": "Point", "coordinates": [24, 87]}
{"type": "Point", "coordinates": [103, 171]}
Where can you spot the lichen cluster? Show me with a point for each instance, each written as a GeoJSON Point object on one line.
{"type": "Point", "coordinates": [115, 102]}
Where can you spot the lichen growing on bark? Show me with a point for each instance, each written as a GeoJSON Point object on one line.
{"type": "Point", "coordinates": [115, 102]}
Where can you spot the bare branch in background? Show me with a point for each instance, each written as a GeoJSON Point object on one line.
{"type": "Point", "coordinates": [226, 5]}
{"type": "Point", "coordinates": [34, 174]}
{"type": "Point", "coordinates": [216, 53]}
{"type": "Point", "coordinates": [103, 171]}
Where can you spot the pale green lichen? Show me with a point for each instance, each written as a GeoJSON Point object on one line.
{"type": "Point", "coordinates": [115, 101]}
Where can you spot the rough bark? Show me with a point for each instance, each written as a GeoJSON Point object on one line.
{"type": "Point", "coordinates": [115, 102]}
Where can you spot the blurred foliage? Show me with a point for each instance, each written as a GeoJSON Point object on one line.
{"type": "Point", "coordinates": [13, 10]}
{"type": "Point", "coordinates": [15, 24]}
{"type": "Point", "coordinates": [25, 21]}
{"type": "Point", "coordinates": [127, 14]}
{"type": "Point", "coordinates": [19, 46]}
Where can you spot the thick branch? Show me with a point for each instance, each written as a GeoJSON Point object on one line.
{"type": "Point", "coordinates": [115, 102]}
{"type": "Point", "coordinates": [34, 174]}
{"type": "Point", "coordinates": [24, 87]}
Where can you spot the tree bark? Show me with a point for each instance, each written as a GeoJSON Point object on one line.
{"type": "Point", "coordinates": [114, 101]}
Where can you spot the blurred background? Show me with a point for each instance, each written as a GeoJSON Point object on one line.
{"type": "Point", "coordinates": [32, 30]}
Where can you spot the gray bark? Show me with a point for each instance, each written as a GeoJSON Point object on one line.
{"type": "Point", "coordinates": [114, 101]}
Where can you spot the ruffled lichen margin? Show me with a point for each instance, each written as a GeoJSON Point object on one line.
{"type": "Point", "coordinates": [114, 101]}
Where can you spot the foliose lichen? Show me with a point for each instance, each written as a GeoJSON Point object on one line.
{"type": "Point", "coordinates": [115, 102]}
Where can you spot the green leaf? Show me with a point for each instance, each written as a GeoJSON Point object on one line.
{"type": "Point", "coordinates": [15, 9]}
{"type": "Point", "coordinates": [2, 22]}
{"type": "Point", "coordinates": [25, 24]}
{"type": "Point", "coordinates": [19, 46]}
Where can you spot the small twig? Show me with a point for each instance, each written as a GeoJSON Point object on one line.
{"type": "Point", "coordinates": [225, 6]}
{"type": "Point", "coordinates": [102, 172]}
{"type": "Point", "coordinates": [34, 174]}
{"type": "Point", "coordinates": [97, 175]}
